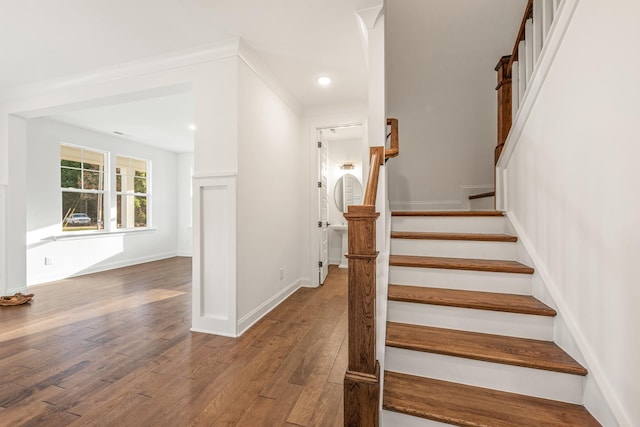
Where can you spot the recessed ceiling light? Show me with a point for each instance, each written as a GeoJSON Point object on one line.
{"type": "Point", "coordinates": [192, 127]}
{"type": "Point", "coordinates": [324, 81]}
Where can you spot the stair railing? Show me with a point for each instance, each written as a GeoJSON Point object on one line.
{"type": "Point", "coordinates": [362, 379]}
{"type": "Point", "coordinates": [515, 70]}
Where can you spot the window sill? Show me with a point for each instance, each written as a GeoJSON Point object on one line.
{"type": "Point", "coordinates": [75, 235]}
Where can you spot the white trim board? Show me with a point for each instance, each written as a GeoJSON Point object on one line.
{"type": "Point", "coordinates": [600, 386]}
{"type": "Point", "coordinates": [248, 320]}
{"type": "Point", "coordinates": [103, 267]}
{"type": "Point", "coordinates": [463, 204]}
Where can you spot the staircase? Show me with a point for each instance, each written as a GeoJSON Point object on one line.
{"type": "Point", "coordinates": [466, 342]}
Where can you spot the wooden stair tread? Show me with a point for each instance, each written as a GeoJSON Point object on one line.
{"type": "Point", "coordinates": [447, 213]}
{"type": "Point", "coordinates": [521, 304]}
{"type": "Point", "coordinates": [466, 405]}
{"type": "Point", "coordinates": [500, 266]}
{"type": "Point", "coordinates": [524, 352]}
{"type": "Point", "coordinates": [481, 237]}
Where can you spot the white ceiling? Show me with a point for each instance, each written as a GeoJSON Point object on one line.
{"type": "Point", "coordinates": [298, 40]}
{"type": "Point", "coordinates": [162, 122]}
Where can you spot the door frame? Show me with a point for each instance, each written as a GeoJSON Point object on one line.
{"type": "Point", "coordinates": [357, 117]}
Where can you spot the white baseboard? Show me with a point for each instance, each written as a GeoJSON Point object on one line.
{"type": "Point", "coordinates": [462, 204]}
{"type": "Point", "coordinates": [259, 312]}
{"type": "Point", "coordinates": [104, 267]}
{"type": "Point", "coordinates": [13, 291]}
{"type": "Point", "coordinates": [429, 205]}
{"type": "Point", "coordinates": [567, 335]}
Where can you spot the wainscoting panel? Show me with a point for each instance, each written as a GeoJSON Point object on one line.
{"type": "Point", "coordinates": [214, 255]}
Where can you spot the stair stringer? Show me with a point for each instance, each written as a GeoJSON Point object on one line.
{"type": "Point", "coordinates": [382, 302]}
{"type": "Point", "coordinates": [598, 397]}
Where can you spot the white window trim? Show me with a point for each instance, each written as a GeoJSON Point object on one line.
{"type": "Point", "coordinates": [147, 194]}
{"type": "Point", "coordinates": [110, 226]}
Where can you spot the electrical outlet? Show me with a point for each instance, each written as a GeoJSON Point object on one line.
{"type": "Point", "coordinates": [281, 273]}
{"type": "Point", "coordinates": [48, 260]}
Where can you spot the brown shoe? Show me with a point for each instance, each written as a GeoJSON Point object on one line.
{"type": "Point", "coordinates": [16, 299]}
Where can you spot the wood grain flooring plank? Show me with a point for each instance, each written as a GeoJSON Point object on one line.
{"type": "Point", "coordinates": [328, 406]}
{"type": "Point", "coordinates": [267, 412]}
{"type": "Point", "coordinates": [115, 347]}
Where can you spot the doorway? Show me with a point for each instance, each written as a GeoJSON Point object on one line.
{"type": "Point", "coordinates": [340, 176]}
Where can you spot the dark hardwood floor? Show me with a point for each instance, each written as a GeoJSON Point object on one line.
{"type": "Point", "coordinates": [114, 349]}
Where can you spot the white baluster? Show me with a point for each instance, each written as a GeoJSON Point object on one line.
{"type": "Point", "coordinates": [522, 74]}
{"type": "Point", "coordinates": [515, 84]}
{"type": "Point", "coordinates": [538, 34]}
{"type": "Point", "coordinates": [528, 49]}
{"type": "Point", "coordinates": [547, 17]}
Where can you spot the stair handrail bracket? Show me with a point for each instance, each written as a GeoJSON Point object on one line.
{"type": "Point", "coordinates": [362, 379]}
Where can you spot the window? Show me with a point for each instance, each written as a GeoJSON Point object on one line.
{"type": "Point", "coordinates": [88, 203]}
{"type": "Point", "coordinates": [82, 178]}
{"type": "Point", "coordinates": [131, 192]}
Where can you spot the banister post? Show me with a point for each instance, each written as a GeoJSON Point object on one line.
{"type": "Point", "coordinates": [362, 379]}
{"type": "Point", "coordinates": [504, 103]}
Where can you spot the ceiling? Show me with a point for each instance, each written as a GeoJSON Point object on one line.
{"type": "Point", "coordinates": [162, 122]}
{"type": "Point", "coordinates": [297, 40]}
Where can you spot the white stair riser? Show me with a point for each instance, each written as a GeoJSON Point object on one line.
{"type": "Point", "coordinates": [514, 379]}
{"type": "Point", "coordinates": [465, 319]}
{"type": "Point", "coordinates": [454, 249]}
{"type": "Point", "coordinates": [396, 419]}
{"type": "Point", "coordinates": [448, 224]}
{"type": "Point", "coordinates": [487, 281]}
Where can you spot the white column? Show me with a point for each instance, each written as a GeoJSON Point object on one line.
{"type": "Point", "coordinates": [214, 201]}
{"type": "Point", "coordinates": [3, 239]}
{"type": "Point", "coordinates": [16, 207]}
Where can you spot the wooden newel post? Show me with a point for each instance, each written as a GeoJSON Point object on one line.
{"type": "Point", "coordinates": [362, 379]}
{"type": "Point", "coordinates": [504, 103]}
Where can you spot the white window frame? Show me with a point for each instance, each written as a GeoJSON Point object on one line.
{"type": "Point", "coordinates": [109, 193]}
{"type": "Point", "coordinates": [131, 193]}
{"type": "Point", "coordinates": [104, 191]}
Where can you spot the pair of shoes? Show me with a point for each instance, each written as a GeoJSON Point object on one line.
{"type": "Point", "coordinates": [16, 299]}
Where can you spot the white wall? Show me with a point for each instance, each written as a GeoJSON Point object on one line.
{"type": "Point", "coordinates": [270, 198]}
{"type": "Point", "coordinates": [440, 61]}
{"type": "Point", "coordinates": [572, 182]}
{"type": "Point", "coordinates": [340, 151]}
{"type": "Point", "coordinates": [184, 230]}
{"type": "Point", "coordinates": [73, 254]}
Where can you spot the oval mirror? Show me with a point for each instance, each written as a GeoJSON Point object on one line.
{"type": "Point", "coordinates": [348, 191]}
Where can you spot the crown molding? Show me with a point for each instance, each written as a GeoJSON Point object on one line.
{"type": "Point", "coordinates": [171, 60]}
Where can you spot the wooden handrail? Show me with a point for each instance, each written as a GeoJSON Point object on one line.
{"type": "Point", "coordinates": [528, 13]}
{"type": "Point", "coordinates": [504, 88]}
{"type": "Point", "coordinates": [376, 156]}
{"type": "Point", "coordinates": [362, 379]}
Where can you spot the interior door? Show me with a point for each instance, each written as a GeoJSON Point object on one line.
{"type": "Point", "coordinates": [323, 202]}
